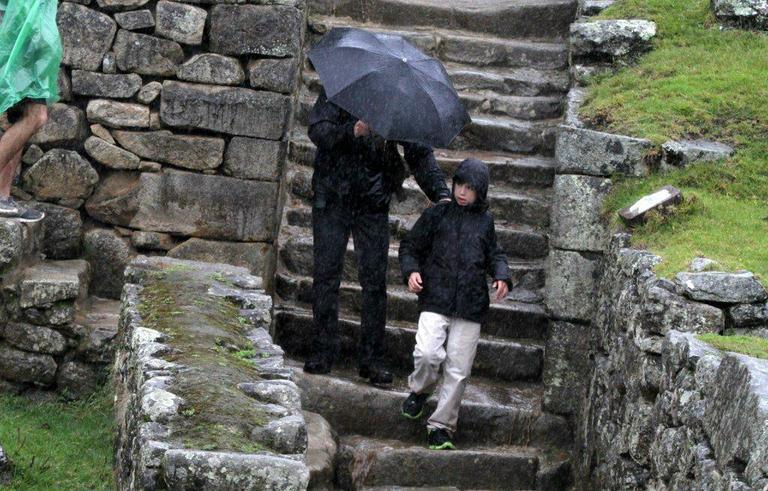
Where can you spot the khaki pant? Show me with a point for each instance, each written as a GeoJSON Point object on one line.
{"type": "Point", "coordinates": [429, 354]}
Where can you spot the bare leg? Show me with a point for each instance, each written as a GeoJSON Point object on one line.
{"type": "Point", "coordinates": [13, 141]}
{"type": "Point", "coordinates": [8, 173]}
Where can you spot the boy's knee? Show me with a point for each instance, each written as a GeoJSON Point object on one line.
{"type": "Point", "coordinates": [39, 114]}
{"type": "Point", "coordinates": [433, 358]}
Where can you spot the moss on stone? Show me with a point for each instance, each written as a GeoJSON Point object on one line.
{"type": "Point", "coordinates": [208, 336]}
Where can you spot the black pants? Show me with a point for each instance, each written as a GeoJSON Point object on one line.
{"type": "Point", "coordinates": [331, 226]}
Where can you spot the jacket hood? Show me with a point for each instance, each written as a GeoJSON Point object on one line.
{"type": "Point", "coordinates": [475, 173]}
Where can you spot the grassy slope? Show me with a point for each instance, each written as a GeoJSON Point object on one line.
{"type": "Point", "coordinates": [58, 446]}
{"type": "Point", "coordinates": [699, 81]}
{"type": "Point", "coordinates": [747, 345]}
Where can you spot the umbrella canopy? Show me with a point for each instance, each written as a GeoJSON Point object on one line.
{"type": "Point", "coordinates": [387, 82]}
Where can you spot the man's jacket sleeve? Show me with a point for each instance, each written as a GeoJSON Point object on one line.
{"type": "Point", "coordinates": [429, 176]}
{"type": "Point", "coordinates": [498, 268]}
{"type": "Point", "coordinates": [326, 127]}
{"type": "Point", "coordinates": [415, 247]}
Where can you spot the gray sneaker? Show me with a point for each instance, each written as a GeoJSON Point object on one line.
{"type": "Point", "coordinates": [29, 215]}
{"type": "Point", "coordinates": [8, 207]}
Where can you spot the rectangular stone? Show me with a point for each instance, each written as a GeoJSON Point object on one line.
{"type": "Point", "coordinates": [581, 151]}
{"type": "Point", "coordinates": [566, 367]}
{"type": "Point", "coordinates": [230, 110]}
{"type": "Point", "coordinates": [571, 283]}
{"type": "Point", "coordinates": [251, 158]}
{"type": "Point", "coordinates": [659, 200]}
{"type": "Point", "coordinates": [212, 207]}
{"type": "Point", "coordinates": [577, 213]}
{"type": "Point", "coordinates": [264, 30]}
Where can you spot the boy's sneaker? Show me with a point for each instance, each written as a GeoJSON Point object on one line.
{"type": "Point", "coordinates": [29, 215]}
{"type": "Point", "coordinates": [8, 207]}
{"type": "Point", "coordinates": [376, 374]}
{"type": "Point", "coordinates": [439, 439]}
{"type": "Point", "coordinates": [413, 406]}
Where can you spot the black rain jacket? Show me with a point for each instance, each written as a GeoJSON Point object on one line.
{"type": "Point", "coordinates": [364, 172]}
{"type": "Point", "coordinates": [454, 248]}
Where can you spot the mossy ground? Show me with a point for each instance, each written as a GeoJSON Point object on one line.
{"type": "Point", "coordinates": [698, 82]}
{"type": "Point", "coordinates": [747, 345]}
{"type": "Point", "coordinates": [208, 336]}
{"type": "Point", "coordinates": [58, 445]}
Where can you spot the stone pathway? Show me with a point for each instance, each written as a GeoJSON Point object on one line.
{"type": "Point", "coordinates": [508, 59]}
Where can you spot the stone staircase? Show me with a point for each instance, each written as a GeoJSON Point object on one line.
{"type": "Point", "coordinates": [53, 335]}
{"type": "Point", "coordinates": [508, 60]}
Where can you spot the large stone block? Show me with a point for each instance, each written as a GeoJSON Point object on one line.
{"type": "Point", "coordinates": [191, 152]}
{"type": "Point", "coordinates": [115, 199]}
{"type": "Point", "coordinates": [182, 23]}
{"type": "Point", "coordinates": [252, 158]}
{"type": "Point", "coordinates": [566, 367]}
{"type": "Point", "coordinates": [571, 284]}
{"type": "Point", "coordinates": [742, 13]}
{"type": "Point", "coordinates": [578, 222]}
{"type": "Point", "coordinates": [264, 30]}
{"type": "Point", "coordinates": [274, 75]}
{"type": "Point", "coordinates": [209, 68]}
{"type": "Point", "coordinates": [108, 255]}
{"type": "Point", "coordinates": [77, 380]}
{"type": "Point", "coordinates": [664, 310]}
{"type": "Point", "coordinates": [110, 155]}
{"type": "Point", "coordinates": [581, 151]}
{"type": "Point", "coordinates": [86, 35]}
{"type": "Point", "coordinates": [147, 55]}
{"type": "Point", "coordinates": [254, 256]}
{"type": "Point", "coordinates": [235, 111]}
{"type": "Point", "coordinates": [62, 231]}
{"type": "Point", "coordinates": [117, 114]}
{"type": "Point", "coordinates": [61, 174]}
{"type": "Point", "coordinates": [24, 367]}
{"type": "Point", "coordinates": [116, 86]}
{"type": "Point", "coordinates": [36, 339]}
{"type": "Point", "coordinates": [66, 126]}
{"type": "Point", "coordinates": [205, 206]}
{"type": "Point", "coordinates": [611, 39]}
{"type": "Point", "coordinates": [722, 287]}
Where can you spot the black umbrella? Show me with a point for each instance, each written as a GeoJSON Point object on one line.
{"type": "Point", "coordinates": [387, 82]}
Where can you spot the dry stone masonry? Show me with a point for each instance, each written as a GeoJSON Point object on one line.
{"type": "Point", "coordinates": [204, 400]}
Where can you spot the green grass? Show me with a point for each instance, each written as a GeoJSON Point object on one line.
{"type": "Point", "coordinates": [747, 345]}
{"type": "Point", "coordinates": [698, 82]}
{"type": "Point", "coordinates": [57, 445]}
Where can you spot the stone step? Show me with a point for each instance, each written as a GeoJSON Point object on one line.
{"type": "Point", "coordinates": [511, 206]}
{"type": "Point", "coordinates": [367, 462]}
{"type": "Point", "coordinates": [501, 134]}
{"type": "Point", "coordinates": [518, 241]}
{"type": "Point", "coordinates": [503, 359]}
{"type": "Point", "coordinates": [296, 258]}
{"type": "Point", "coordinates": [47, 282]}
{"type": "Point", "coordinates": [542, 19]}
{"type": "Point", "coordinates": [504, 81]}
{"type": "Point", "coordinates": [459, 47]}
{"type": "Point", "coordinates": [506, 319]}
{"type": "Point", "coordinates": [20, 244]}
{"type": "Point", "coordinates": [98, 318]}
{"type": "Point", "coordinates": [492, 412]}
{"type": "Point", "coordinates": [505, 168]}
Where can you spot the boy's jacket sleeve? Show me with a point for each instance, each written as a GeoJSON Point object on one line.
{"type": "Point", "coordinates": [428, 175]}
{"type": "Point", "coordinates": [327, 128]}
{"type": "Point", "coordinates": [498, 268]}
{"type": "Point", "coordinates": [415, 247]}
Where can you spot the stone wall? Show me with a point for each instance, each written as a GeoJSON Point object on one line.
{"type": "Point", "coordinates": [170, 137]}
{"type": "Point", "coordinates": [664, 410]}
{"type": "Point", "coordinates": [204, 400]}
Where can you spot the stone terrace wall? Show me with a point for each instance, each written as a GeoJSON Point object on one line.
{"type": "Point", "coordinates": [171, 133]}
{"type": "Point", "coordinates": [664, 410]}
{"type": "Point", "coordinates": [204, 400]}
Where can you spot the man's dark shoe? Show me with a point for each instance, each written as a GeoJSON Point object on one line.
{"type": "Point", "coordinates": [413, 406]}
{"type": "Point", "coordinates": [376, 374]}
{"type": "Point", "coordinates": [318, 365]}
{"type": "Point", "coordinates": [439, 439]}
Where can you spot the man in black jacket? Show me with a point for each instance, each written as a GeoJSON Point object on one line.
{"type": "Point", "coordinates": [355, 174]}
{"type": "Point", "coordinates": [446, 258]}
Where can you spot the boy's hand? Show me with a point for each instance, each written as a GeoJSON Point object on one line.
{"type": "Point", "coordinates": [501, 289]}
{"type": "Point", "coordinates": [414, 283]}
{"type": "Point", "coordinates": [361, 129]}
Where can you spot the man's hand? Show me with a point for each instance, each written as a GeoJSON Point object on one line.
{"type": "Point", "coordinates": [501, 289]}
{"type": "Point", "coordinates": [414, 283]}
{"type": "Point", "coordinates": [361, 129]}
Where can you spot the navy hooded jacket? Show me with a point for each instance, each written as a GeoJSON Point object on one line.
{"type": "Point", "coordinates": [454, 249]}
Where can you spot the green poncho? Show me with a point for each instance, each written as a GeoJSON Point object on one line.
{"type": "Point", "coordinates": [30, 51]}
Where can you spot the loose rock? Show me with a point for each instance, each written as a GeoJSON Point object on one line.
{"type": "Point", "coordinates": [683, 153]}
{"type": "Point", "coordinates": [660, 201]}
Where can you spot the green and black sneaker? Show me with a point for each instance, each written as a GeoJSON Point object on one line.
{"type": "Point", "coordinates": [439, 439]}
{"type": "Point", "coordinates": [413, 406]}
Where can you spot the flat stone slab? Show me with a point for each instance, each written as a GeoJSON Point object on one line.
{"type": "Point", "coordinates": [687, 152]}
{"type": "Point", "coordinates": [190, 152]}
{"type": "Point", "coordinates": [659, 201]}
{"type": "Point", "coordinates": [52, 281]}
{"type": "Point", "coordinates": [265, 30]}
{"type": "Point", "coordinates": [722, 287]}
{"type": "Point", "coordinates": [611, 39]}
{"type": "Point", "coordinates": [212, 207]}
{"type": "Point", "coordinates": [594, 153]}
